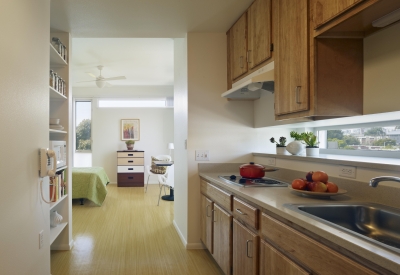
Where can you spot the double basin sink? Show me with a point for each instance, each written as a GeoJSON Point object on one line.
{"type": "Point", "coordinates": [375, 223]}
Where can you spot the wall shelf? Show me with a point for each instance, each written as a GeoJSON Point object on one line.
{"type": "Point", "coordinates": [55, 58]}
{"type": "Point", "coordinates": [57, 131]}
{"type": "Point", "coordinates": [55, 231]}
{"type": "Point", "coordinates": [54, 204]}
{"type": "Point", "coordinates": [56, 94]}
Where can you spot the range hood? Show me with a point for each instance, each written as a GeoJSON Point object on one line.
{"type": "Point", "coordinates": [251, 89]}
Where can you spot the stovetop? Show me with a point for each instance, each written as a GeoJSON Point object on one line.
{"type": "Point", "coordinates": [246, 182]}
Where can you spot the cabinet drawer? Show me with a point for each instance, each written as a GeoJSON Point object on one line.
{"type": "Point", "coordinates": [245, 212]}
{"type": "Point", "coordinates": [130, 169]}
{"type": "Point", "coordinates": [219, 196]}
{"type": "Point", "coordinates": [130, 154]}
{"type": "Point", "coordinates": [308, 251]}
{"type": "Point", "coordinates": [130, 161]}
{"type": "Point", "coordinates": [130, 179]}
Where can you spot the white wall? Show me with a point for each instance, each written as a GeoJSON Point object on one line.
{"type": "Point", "coordinates": [24, 114]}
{"type": "Point", "coordinates": [180, 137]}
{"type": "Point", "coordinates": [156, 125]}
{"type": "Point", "coordinates": [223, 127]}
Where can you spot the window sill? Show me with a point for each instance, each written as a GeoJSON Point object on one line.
{"type": "Point", "coordinates": [365, 162]}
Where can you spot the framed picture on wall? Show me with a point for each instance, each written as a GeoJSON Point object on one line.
{"type": "Point", "coordinates": [130, 129]}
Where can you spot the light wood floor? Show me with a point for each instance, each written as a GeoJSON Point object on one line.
{"type": "Point", "coordinates": [128, 234]}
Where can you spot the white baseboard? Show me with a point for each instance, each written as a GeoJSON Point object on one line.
{"type": "Point", "coordinates": [185, 244]}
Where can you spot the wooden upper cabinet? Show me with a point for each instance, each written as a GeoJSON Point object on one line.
{"type": "Point", "coordinates": [325, 10]}
{"type": "Point", "coordinates": [245, 250]}
{"type": "Point", "coordinates": [291, 56]}
{"type": "Point", "coordinates": [206, 221]}
{"type": "Point", "coordinates": [238, 36]}
{"type": "Point", "coordinates": [259, 32]}
{"type": "Point", "coordinates": [223, 239]}
{"type": "Point", "coordinates": [273, 262]}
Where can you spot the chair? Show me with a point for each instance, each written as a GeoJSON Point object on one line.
{"type": "Point", "coordinates": [148, 169]}
{"type": "Point", "coordinates": [163, 181]}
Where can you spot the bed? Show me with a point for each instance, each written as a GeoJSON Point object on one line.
{"type": "Point", "coordinates": [89, 183]}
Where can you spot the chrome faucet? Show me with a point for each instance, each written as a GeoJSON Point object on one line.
{"type": "Point", "coordinates": [374, 181]}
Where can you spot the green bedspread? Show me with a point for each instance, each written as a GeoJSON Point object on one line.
{"type": "Point", "coordinates": [89, 183]}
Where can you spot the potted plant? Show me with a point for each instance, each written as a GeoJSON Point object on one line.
{"type": "Point", "coordinates": [129, 144]}
{"type": "Point", "coordinates": [296, 147]}
{"type": "Point", "coordinates": [280, 146]}
{"type": "Point", "coordinates": [311, 142]}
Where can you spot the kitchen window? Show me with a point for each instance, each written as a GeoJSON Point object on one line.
{"type": "Point", "coordinates": [370, 140]}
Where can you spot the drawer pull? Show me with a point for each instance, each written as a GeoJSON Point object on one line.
{"type": "Point", "coordinates": [130, 168]}
{"type": "Point", "coordinates": [247, 248]}
{"type": "Point", "coordinates": [130, 160]}
{"type": "Point", "coordinates": [240, 211]}
{"type": "Point", "coordinates": [130, 155]}
{"type": "Point", "coordinates": [130, 178]}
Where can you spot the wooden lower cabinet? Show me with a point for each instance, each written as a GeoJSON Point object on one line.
{"type": "Point", "coordinates": [245, 250]}
{"type": "Point", "coordinates": [312, 254]}
{"type": "Point", "coordinates": [272, 262]}
{"type": "Point", "coordinates": [222, 239]}
{"type": "Point", "coordinates": [206, 221]}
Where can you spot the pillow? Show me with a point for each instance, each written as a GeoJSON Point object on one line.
{"type": "Point", "coordinates": [157, 169]}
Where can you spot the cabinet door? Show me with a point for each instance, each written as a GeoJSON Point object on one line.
{"type": "Point", "coordinates": [325, 10]}
{"type": "Point", "coordinates": [222, 239]}
{"type": "Point", "coordinates": [259, 32]}
{"type": "Point", "coordinates": [245, 250]}
{"type": "Point", "coordinates": [238, 34]}
{"type": "Point", "coordinates": [273, 262]}
{"type": "Point", "coordinates": [206, 220]}
{"type": "Point", "coordinates": [291, 56]}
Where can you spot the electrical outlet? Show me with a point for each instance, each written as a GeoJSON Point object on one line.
{"type": "Point", "coordinates": [347, 171]}
{"type": "Point", "coordinates": [271, 162]}
{"type": "Point", "coordinates": [202, 155]}
{"type": "Point", "coordinates": [41, 241]}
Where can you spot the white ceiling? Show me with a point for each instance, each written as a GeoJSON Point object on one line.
{"type": "Point", "coordinates": [144, 18]}
{"type": "Point", "coordinates": [144, 61]}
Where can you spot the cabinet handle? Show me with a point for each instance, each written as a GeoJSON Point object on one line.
{"type": "Point", "coordinates": [130, 155]}
{"type": "Point", "coordinates": [241, 61]}
{"type": "Point", "coordinates": [248, 56]}
{"type": "Point", "coordinates": [130, 168]}
{"type": "Point", "coordinates": [130, 160]}
{"type": "Point", "coordinates": [298, 94]}
{"type": "Point", "coordinates": [247, 248]}
{"type": "Point", "coordinates": [207, 210]}
{"type": "Point", "coordinates": [240, 211]}
{"type": "Point", "coordinates": [214, 215]}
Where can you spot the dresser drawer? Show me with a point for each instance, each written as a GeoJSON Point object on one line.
{"type": "Point", "coordinates": [130, 154]}
{"type": "Point", "coordinates": [130, 169]}
{"type": "Point", "coordinates": [245, 212]}
{"type": "Point", "coordinates": [130, 180]}
{"type": "Point", "coordinates": [130, 161]}
{"type": "Point", "coordinates": [219, 196]}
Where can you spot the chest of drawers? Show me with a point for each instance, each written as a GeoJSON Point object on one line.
{"type": "Point", "coordinates": [130, 168]}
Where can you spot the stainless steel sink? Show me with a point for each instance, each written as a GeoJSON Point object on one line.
{"type": "Point", "coordinates": [376, 223]}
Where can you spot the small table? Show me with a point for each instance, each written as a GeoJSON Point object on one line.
{"type": "Point", "coordinates": [169, 197]}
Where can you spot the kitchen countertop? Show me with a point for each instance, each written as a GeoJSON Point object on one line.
{"type": "Point", "coordinates": [274, 198]}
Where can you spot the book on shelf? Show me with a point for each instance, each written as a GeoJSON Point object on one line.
{"type": "Point", "coordinates": [57, 187]}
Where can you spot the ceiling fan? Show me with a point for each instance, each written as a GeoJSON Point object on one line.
{"type": "Point", "coordinates": [102, 81]}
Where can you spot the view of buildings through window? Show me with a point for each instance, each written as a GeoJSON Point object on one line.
{"type": "Point", "coordinates": [375, 138]}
